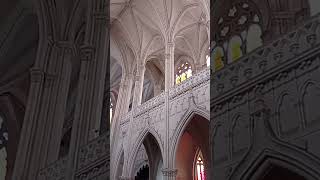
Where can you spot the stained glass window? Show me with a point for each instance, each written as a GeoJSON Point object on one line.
{"type": "Point", "coordinates": [200, 174]}
{"type": "Point", "coordinates": [235, 51]}
{"type": "Point", "coordinates": [236, 33]}
{"type": "Point", "coordinates": [217, 55]}
{"type": "Point", "coordinates": [254, 39]}
{"type": "Point", "coordinates": [184, 71]}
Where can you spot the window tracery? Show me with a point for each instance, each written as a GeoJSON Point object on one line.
{"type": "Point", "coordinates": [199, 167]}
{"type": "Point", "coordinates": [238, 32]}
{"type": "Point", "coordinates": [183, 72]}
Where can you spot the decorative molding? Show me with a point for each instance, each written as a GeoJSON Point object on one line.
{"type": "Point", "coordinates": [170, 172]}
{"type": "Point", "coordinates": [87, 52]}
{"type": "Point", "coordinates": [37, 75]}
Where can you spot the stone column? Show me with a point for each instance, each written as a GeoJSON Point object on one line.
{"type": "Point", "coordinates": [169, 83]}
{"type": "Point", "coordinates": [170, 174]}
{"type": "Point", "coordinates": [88, 111]}
{"type": "Point", "coordinates": [169, 66]}
{"type": "Point", "coordinates": [43, 124]}
{"type": "Point", "coordinates": [138, 86]}
{"type": "Point", "coordinates": [122, 106]}
{"type": "Point", "coordinates": [94, 54]}
{"type": "Point", "coordinates": [32, 109]}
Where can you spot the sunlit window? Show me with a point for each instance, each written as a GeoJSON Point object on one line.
{"type": "Point", "coordinates": [184, 71]}
{"type": "Point", "coordinates": [235, 51]}
{"type": "Point", "coordinates": [217, 55]}
{"type": "Point", "coordinates": [208, 60]}
{"type": "Point", "coordinates": [200, 174]}
{"type": "Point", "coordinates": [254, 39]}
{"type": "Point", "coordinates": [238, 33]}
{"type": "Point", "coordinates": [111, 109]}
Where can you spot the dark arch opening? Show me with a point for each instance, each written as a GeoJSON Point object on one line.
{"type": "Point", "coordinates": [280, 173]}
{"type": "Point", "coordinates": [143, 173]}
{"type": "Point", "coordinates": [154, 157]}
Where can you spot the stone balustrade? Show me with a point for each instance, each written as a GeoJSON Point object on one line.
{"type": "Point", "coordinates": [55, 171]}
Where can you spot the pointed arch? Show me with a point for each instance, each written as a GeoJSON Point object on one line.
{"type": "Point", "coordinates": [269, 158]}
{"type": "Point", "coordinates": [254, 38]}
{"type": "Point", "coordinates": [235, 49]}
{"type": "Point", "coordinates": [240, 134]}
{"type": "Point", "coordinates": [139, 142]}
{"type": "Point", "coordinates": [310, 97]}
{"type": "Point", "coordinates": [183, 123]}
{"type": "Point", "coordinates": [218, 56]}
{"type": "Point", "coordinates": [287, 111]}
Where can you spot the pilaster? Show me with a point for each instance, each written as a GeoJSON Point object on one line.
{"type": "Point", "coordinates": [169, 65]}
{"type": "Point", "coordinates": [43, 123]}
{"type": "Point", "coordinates": [88, 111]}
{"type": "Point", "coordinates": [138, 86]}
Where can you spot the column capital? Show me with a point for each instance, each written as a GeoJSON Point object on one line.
{"type": "Point", "coordinates": [125, 178]}
{"type": "Point", "coordinates": [170, 172]}
{"type": "Point", "coordinates": [62, 44]}
{"type": "Point", "coordinates": [170, 44]}
{"type": "Point", "coordinates": [37, 75]}
{"type": "Point", "coordinates": [167, 56]}
{"type": "Point", "coordinates": [87, 52]}
{"type": "Point", "coordinates": [101, 15]}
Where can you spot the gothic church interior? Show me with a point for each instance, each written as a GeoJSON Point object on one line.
{"type": "Point", "coordinates": [159, 89]}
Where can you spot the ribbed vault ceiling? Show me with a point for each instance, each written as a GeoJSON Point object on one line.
{"type": "Point", "coordinates": [140, 28]}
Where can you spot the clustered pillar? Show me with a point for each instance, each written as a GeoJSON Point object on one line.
{"type": "Point", "coordinates": [138, 87]}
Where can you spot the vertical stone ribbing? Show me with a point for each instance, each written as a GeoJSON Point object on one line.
{"type": "Point", "coordinates": [88, 111]}
{"type": "Point", "coordinates": [42, 129]}
{"type": "Point", "coordinates": [138, 86]}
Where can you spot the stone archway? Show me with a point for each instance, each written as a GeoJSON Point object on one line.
{"type": "Point", "coordinates": [193, 138]}
{"type": "Point", "coordinates": [274, 168]}
{"type": "Point", "coordinates": [154, 158]}
{"type": "Point", "coordinates": [280, 173]}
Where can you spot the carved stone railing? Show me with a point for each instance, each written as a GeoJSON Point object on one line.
{"type": "Point", "coordinates": [195, 80]}
{"type": "Point", "coordinates": [153, 102]}
{"type": "Point", "coordinates": [266, 61]}
{"type": "Point", "coordinates": [94, 158]}
{"type": "Point", "coordinates": [55, 171]}
{"type": "Point", "coordinates": [94, 151]}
